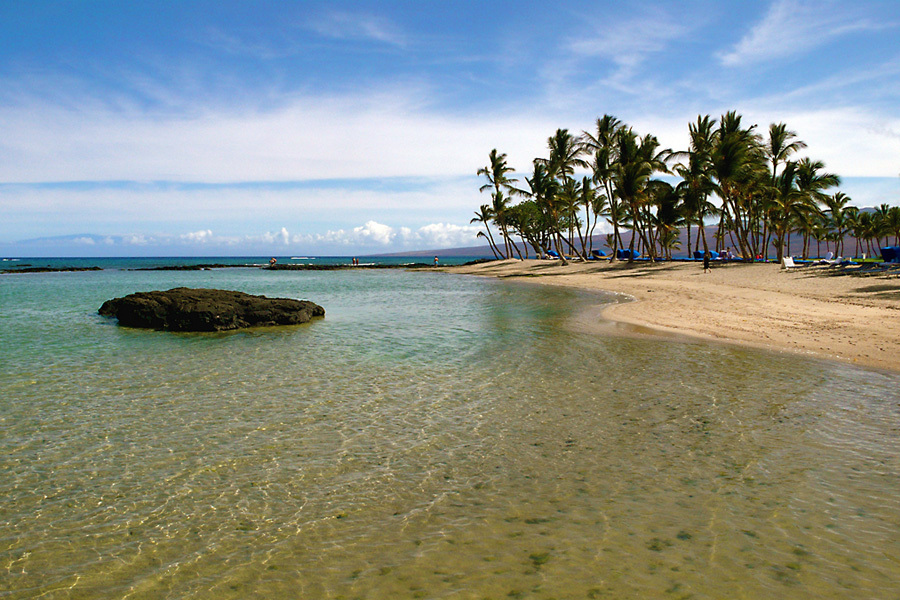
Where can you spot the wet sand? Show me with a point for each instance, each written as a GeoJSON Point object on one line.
{"type": "Point", "coordinates": [814, 310]}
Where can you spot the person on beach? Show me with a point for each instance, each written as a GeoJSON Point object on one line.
{"type": "Point", "coordinates": [272, 261]}
{"type": "Point", "coordinates": [435, 261]}
{"type": "Point", "coordinates": [706, 262]}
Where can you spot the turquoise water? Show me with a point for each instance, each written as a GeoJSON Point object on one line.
{"type": "Point", "coordinates": [434, 436]}
{"type": "Point", "coordinates": [126, 263]}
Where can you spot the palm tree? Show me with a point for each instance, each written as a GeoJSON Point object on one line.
{"type": "Point", "coordinates": [601, 145]}
{"type": "Point", "coordinates": [630, 178]}
{"type": "Point", "coordinates": [739, 167]}
{"type": "Point", "coordinates": [564, 158]}
{"type": "Point", "coordinates": [495, 173]}
{"type": "Point", "coordinates": [837, 214]}
{"type": "Point", "coordinates": [893, 223]}
{"type": "Point", "coordinates": [485, 215]}
{"type": "Point", "coordinates": [697, 184]}
{"type": "Point", "coordinates": [779, 146]}
{"type": "Point", "coordinates": [811, 183]}
{"type": "Point", "coordinates": [787, 206]}
{"type": "Point", "coordinates": [882, 226]}
{"type": "Point", "coordinates": [851, 219]}
{"type": "Point", "coordinates": [864, 229]}
{"type": "Point", "coordinates": [543, 190]}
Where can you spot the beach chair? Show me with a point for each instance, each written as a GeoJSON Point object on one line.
{"type": "Point", "coordinates": [787, 262]}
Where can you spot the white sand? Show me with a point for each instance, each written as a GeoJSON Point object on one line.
{"type": "Point", "coordinates": [814, 310]}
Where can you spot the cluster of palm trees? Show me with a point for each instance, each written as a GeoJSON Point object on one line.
{"type": "Point", "coordinates": [762, 195]}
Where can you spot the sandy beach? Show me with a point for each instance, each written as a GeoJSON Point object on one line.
{"type": "Point", "coordinates": [815, 310]}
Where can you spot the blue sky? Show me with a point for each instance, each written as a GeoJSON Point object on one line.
{"type": "Point", "coordinates": [203, 128]}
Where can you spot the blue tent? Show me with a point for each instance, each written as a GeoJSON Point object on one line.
{"type": "Point", "coordinates": [712, 254]}
{"type": "Point", "coordinates": [625, 254]}
{"type": "Point", "coordinates": [596, 254]}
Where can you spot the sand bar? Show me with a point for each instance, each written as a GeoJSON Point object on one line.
{"type": "Point", "coordinates": [816, 310]}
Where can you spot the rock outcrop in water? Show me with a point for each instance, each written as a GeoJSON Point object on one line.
{"type": "Point", "coordinates": [187, 309]}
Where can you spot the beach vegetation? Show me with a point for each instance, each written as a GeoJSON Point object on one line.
{"type": "Point", "coordinates": [744, 185]}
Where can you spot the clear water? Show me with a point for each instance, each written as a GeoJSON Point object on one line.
{"type": "Point", "coordinates": [435, 436]}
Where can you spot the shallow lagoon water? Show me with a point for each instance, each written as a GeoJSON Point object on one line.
{"type": "Point", "coordinates": [434, 436]}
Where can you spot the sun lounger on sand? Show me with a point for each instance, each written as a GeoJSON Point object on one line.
{"type": "Point", "coordinates": [787, 262]}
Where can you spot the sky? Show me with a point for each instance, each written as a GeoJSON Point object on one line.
{"type": "Point", "coordinates": [180, 128]}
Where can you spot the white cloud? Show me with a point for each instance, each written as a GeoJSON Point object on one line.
{"type": "Point", "coordinates": [198, 236]}
{"type": "Point", "coordinates": [376, 236]}
{"type": "Point", "coordinates": [374, 232]}
{"type": "Point", "coordinates": [279, 237]}
{"type": "Point", "coordinates": [137, 240]}
{"type": "Point", "coordinates": [313, 137]}
{"type": "Point", "coordinates": [793, 27]}
{"type": "Point", "coordinates": [86, 241]}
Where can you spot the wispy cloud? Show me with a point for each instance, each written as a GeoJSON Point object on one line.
{"type": "Point", "coordinates": [629, 43]}
{"type": "Point", "coordinates": [614, 55]}
{"type": "Point", "coordinates": [359, 27]}
{"type": "Point", "coordinates": [387, 133]}
{"type": "Point", "coordinates": [793, 27]}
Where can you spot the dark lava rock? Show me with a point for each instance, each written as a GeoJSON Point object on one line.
{"type": "Point", "coordinates": [187, 309]}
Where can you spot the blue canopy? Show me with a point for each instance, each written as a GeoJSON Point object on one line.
{"type": "Point", "coordinates": [890, 254]}
{"type": "Point", "coordinates": [625, 253]}
{"type": "Point", "coordinates": [712, 254]}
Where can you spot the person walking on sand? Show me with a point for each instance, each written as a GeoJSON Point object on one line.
{"type": "Point", "coordinates": [706, 262]}
{"type": "Point", "coordinates": [435, 261]}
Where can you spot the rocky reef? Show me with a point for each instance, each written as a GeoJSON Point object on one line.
{"type": "Point", "coordinates": [188, 309]}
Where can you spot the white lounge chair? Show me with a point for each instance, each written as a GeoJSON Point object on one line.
{"type": "Point", "coordinates": [787, 262]}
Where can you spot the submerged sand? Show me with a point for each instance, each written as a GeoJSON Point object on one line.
{"type": "Point", "coordinates": [823, 311]}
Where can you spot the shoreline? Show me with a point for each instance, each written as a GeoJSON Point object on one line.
{"type": "Point", "coordinates": [816, 311]}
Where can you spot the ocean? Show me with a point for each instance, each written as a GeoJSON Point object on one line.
{"type": "Point", "coordinates": [434, 436]}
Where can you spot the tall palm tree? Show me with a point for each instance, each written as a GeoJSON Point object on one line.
{"type": "Point", "coordinates": [565, 152]}
{"type": "Point", "coordinates": [780, 144]}
{"type": "Point", "coordinates": [543, 190]}
{"type": "Point", "coordinates": [882, 226]}
{"type": "Point", "coordinates": [496, 174]}
{"type": "Point", "coordinates": [601, 146]}
{"type": "Point", "coordinates": [485, 215]}
{"type": "Point", "coordinates": [837, 214]}
{"type": "Point", "coordinates": [851, 220]}
{"type": "Point", "coordinates": [696, 176]}
{"type": "Point", "coordinates": [893, 223]}
{"type": "Point", "coordinates": [811, 183]}
{"type": "Point", "coordinates": [738, 161]}
{"type": "Point", "coordinates": [787, 206]}
{"type": "Point", "coordinates": [633, 172]}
